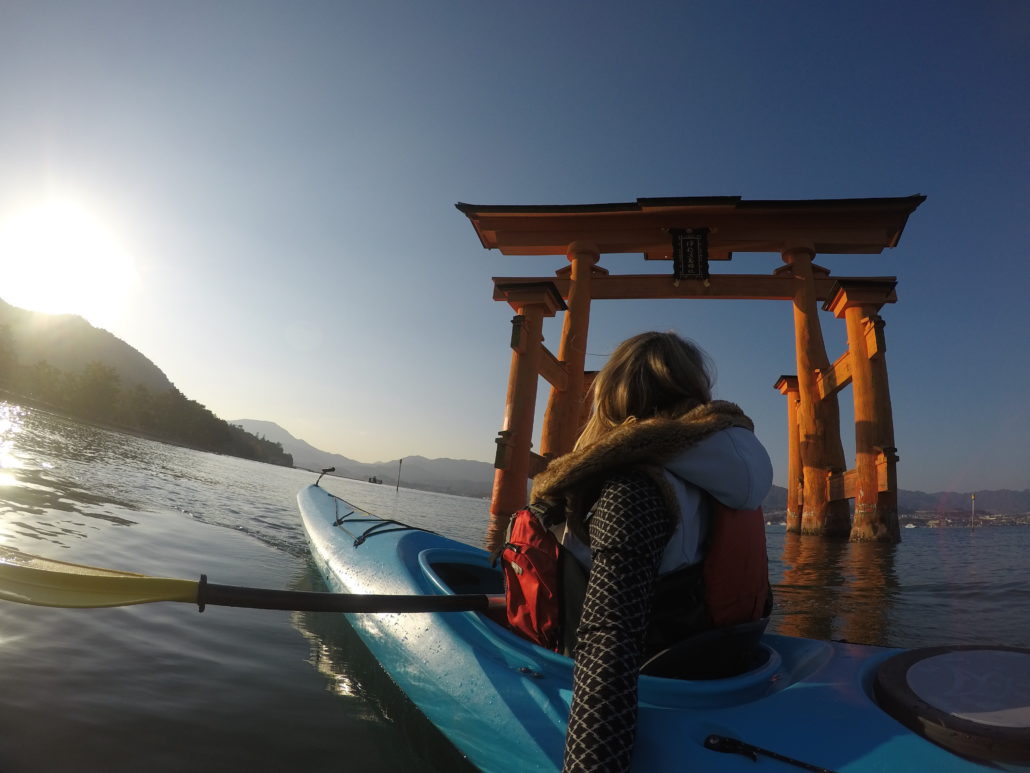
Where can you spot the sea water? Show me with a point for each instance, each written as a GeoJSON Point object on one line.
{"type": "Point", "coordinates": [159, 687]}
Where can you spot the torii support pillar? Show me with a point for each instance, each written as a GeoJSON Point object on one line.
{"type": "Point", "coordinates": [563, 418]}
{"type": "Point", "coordinates": [531, 302]}
{"type": "Point", "coordinates": [822, 453]}
{"type": "Point", "coordinates": [876, 491]}
{"type": "Point", "coordinates": [788, 386]}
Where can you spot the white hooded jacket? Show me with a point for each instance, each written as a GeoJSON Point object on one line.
{"type": "Point", "coordinates": [731, 465]}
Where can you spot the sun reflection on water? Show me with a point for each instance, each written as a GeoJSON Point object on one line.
{"type": "Point", "coordinates": [11, 419]}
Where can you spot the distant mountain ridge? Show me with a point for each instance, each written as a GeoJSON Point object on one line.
{"type": "Point", "coordinates": [475, 479]}
{"type": "Point", "coordinates": [461, 477]}
{"type": "Point", "coordinates": [998, 501]}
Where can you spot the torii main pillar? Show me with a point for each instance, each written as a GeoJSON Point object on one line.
{"type": "Point", "coordinates": [532, 301]}
{"type": "Point", "coordinates": [822, 453]}
{"type": "Point", "coordinates": [788, 386]}
{"type": "Point", "coordinates": [562, 420]}
{"type": "Point", "coordinates": [875, 488]}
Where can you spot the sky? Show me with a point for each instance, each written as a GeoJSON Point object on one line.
{"type": "Point", "coordinates": [259, 196]}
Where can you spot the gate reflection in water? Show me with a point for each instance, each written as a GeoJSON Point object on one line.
{"type": "Point", "coordinates": [833, 589]}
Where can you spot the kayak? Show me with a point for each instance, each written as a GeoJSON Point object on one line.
{"type": "Point", "coordinates": [811, 705]}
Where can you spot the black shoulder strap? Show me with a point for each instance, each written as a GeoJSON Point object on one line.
{"type": "Point", "coordinates": [549, 512]}
{"type": "Point", "coordinates": [573, 576]}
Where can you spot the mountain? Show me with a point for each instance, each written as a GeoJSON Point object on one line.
{"type": "Point", "coordinates": [69, 343]}
{"type": "Point", "coordinates": [1000, 501]}
{"type": "Point", "coordinates": [475, 479]}
{"type": "Point", "coordinates": [305, 455]}
{"type": "Point", "coordinates": [448, 476]}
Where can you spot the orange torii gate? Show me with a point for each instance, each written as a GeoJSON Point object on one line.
{"type": "Point", "coordinates": [690, 232]}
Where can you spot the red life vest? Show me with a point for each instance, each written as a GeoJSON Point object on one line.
{"type": "Point", "coordinates": [736, 567]}
{"type": "Point", "coordinates": [734, 573]}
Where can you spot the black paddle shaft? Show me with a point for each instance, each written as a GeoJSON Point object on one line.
{"type": "Point", "coordinates": [306, 601]}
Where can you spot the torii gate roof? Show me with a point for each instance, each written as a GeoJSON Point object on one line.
{"type": "Point", "coordinates": [836, 226]}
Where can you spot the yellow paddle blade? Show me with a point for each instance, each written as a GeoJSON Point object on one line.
{"type": "Point", "coordinates": [27, 579]}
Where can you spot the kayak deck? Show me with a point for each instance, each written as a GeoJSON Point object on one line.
{"type": "Point", "coordinates": [504, 702]}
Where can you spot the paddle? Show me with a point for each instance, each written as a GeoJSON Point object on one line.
{"type": "Point", "coordinates": [28, 579]}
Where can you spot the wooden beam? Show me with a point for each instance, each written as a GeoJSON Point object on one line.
{"type": "Point", "coordinates": [839, 374]}
{"type": "Point", "coordinates": [841, 485]}
{"type": "Point", "coordinates": [537, 464]}
{"type": "Point", "coordinates": [552, 369]}
{"type": "Point", "coordinates": [844, 485]}
{"type": "Point", "coordinates": [647, 286]}
{"type": "Point", "coordinates": [874, 338]}
{"type": "Point", "coordinates": [887, 470]}
{"type": "Point", "coordinates": [836, 378]}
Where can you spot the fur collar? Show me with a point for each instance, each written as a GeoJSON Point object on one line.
{"type": "Point", "coordinates": [641, 445]}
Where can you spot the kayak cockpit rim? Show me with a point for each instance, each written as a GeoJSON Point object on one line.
{"type": "Point", "coordinates": [460, 571]}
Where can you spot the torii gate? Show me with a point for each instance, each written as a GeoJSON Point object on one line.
{"type": "Point", "coordinates": [690, 232]}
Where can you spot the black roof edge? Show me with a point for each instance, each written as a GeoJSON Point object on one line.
{"type": "Point", "coordinates": [915, 199]}
{"type": "Point", "coordinates": [474, 209]}
{"type": "Point", "coordinates": [697, 201]}
{"type": "Point", "coordinates": [671, 201]}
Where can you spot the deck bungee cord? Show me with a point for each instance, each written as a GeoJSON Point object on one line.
{"type": "Point", "coordinates": [378, 524]}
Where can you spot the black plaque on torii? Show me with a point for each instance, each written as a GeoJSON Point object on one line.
{"type": "Point", "coordinates": [689, 253]}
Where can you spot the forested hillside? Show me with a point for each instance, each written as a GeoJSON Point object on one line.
{"type": "Point", "coordinates": [64, 364]}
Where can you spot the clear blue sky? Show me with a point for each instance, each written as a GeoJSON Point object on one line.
{"type": "Point", "coordinates": [280, 180]}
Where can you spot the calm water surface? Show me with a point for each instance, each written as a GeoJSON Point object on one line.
{"type": "Point", "coordinates": [160, 687]}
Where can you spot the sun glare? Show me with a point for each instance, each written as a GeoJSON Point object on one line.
{"type": "Point", "coordinates": [57, 256]}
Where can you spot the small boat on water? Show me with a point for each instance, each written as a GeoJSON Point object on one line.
{"type": "Point", "coordinates": [811, 705]}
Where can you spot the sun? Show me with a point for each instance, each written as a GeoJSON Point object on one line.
{"type": "Point", "coordinates": [59, 257]}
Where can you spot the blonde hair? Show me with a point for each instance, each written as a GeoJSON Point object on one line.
{"type": "Point", "coordinates": [650, 374]}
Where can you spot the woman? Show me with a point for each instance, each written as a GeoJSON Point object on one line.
{"type": "Point", "coordinates": [637, 490]}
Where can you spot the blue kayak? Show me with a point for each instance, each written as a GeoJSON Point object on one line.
{"type": "Point", "coordinates": [504, 702]}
